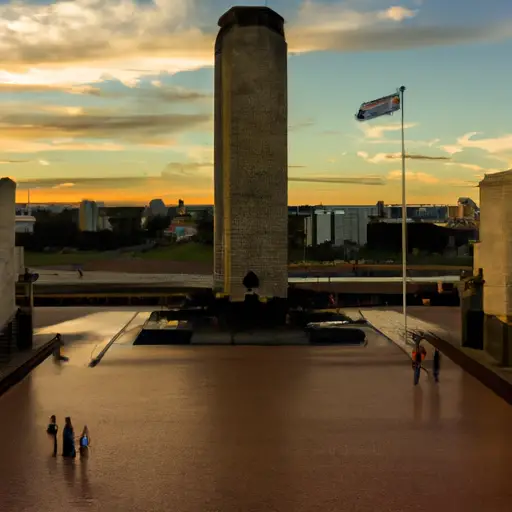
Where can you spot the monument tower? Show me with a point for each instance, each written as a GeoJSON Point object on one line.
{"type": "Point", "coordinates": [251, 152]}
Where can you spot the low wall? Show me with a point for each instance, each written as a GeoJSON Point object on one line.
{"type": "Point", "coordinates": [19, 373]}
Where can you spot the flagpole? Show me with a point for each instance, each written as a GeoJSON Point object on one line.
{"type": "Point", "coordinates": [404, 220]}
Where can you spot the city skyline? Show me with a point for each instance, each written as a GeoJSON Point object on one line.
{"type": "Point", "coordinates": [129, 116]}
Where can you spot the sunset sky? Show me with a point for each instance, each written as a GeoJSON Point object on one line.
{"type": "Point", "coordinates": [112, 100]}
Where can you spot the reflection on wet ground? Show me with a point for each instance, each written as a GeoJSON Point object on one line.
{"type": "Point", "coordinates": [200, 429]}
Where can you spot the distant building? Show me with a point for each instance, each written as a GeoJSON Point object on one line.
{"type": "Point", "coordinates": [124, 219]}
{"type": "Point", "coordinates": [88, 216]}
{"type": "Point", "coordinates": [335, 224]}
{"type": "Point", "coordinates": [417, 212]}
{"type": "Point", "coordinates": [24, 223]}
{"type": "Point", "coordinates": [103, 222]}
{"type": "Point", "coordinates": [350, 224]}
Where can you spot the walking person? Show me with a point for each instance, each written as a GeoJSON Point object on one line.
{"type": "Point", "coordinates": [57, 351]}
{"type": "Point", "coordinates": [68, 440]}
{"type": "Point", "coordinates": [84, 443]}
{"type": "Point", "coordinates": [417, 358]}
{"type": "Point", "coordinates": [436, 365]}
{"type": "Point", "coordinates": [52, 431]}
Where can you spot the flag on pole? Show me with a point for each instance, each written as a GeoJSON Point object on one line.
{"type": "Point", "coordinates": [381, 107]}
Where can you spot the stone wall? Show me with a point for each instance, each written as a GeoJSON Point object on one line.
{"type": "Point", "coordinates": [495, 257]}
{"type": "Point", "coordinates": [251, 158]}
{"type": "Point", "coordinates": [495, 251]}
{"type": "Point", "coordinates": [8, 273]}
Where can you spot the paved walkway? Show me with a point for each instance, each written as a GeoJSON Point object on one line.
{"type": "Point", "coordinates": [390, 322]}
{"type": "Point", "coordinates": [444, 322]}
{"type": "Point", "coordinates": [287, 429]}
{"type": "Point", "coordinates": [64, 277]}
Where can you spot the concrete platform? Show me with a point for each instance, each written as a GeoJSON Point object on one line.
{"type": "Point", "coordinates": [445, 324]}
{"type": "Point", "coordinates": [300, 429]}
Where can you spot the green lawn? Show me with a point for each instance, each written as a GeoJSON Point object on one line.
{"type": "Point", "coordinates": [181, 252]}
{"type": "Point", "coordinates": [177, 252]}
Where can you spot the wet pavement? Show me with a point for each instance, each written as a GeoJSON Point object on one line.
{"type": "Point", "coordinates": [204, 429]}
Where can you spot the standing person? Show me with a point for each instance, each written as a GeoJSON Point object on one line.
{"type": "Point", "coordinates": [436, 365]}
{"type": "Point", "coordinates": [417, 358]}
{"type": "Point", "coordinates": [78, 268]}
{"type": "Point", "coordinates": [68, 440]}
{"type": "Point", "coordinates": [84, 443]}
{"type": "Point", "coordinates": [52, 431]}
{"type": "Point", "coordinates": [57, 351]}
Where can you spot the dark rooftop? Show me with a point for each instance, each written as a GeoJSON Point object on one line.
{"type": "Point", "coordinates": [252, 15]}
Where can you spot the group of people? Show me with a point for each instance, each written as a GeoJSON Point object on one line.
{"type": "Point", "coordinates": [68, 438]}
{"type": "Point", "coordinates": [418, 356]}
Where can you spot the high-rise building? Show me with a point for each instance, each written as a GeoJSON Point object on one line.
{"type": "Point", "coordinates": [351, 222]}
{"type": "Point", "coordinates": [251, 152]}
{"type": "Point", "coordinates": [88, 216]}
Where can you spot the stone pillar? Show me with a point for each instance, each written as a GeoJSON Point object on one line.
{"type": "Point", "coordinates": [494, 256]}
{"type": "Point", "coordinates": [8, 273]}
{"type": "Point", "coordinates": [251, 152]}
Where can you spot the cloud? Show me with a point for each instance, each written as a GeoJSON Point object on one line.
{"type": "Point", "coordinates": [497, 148]}
{"type": "Point", "coordinates": [47, 88]}
{"type": "Point", "coordinates": [305, 123]}
{"type": "Point", "coordinates": [397, 13]}
{"type": "Point", "coordinates": [87, 41]}
{"type": "Point", "coordinates": [491, 145]}
{"type": "Point", "coordinates": [52, 43]}
{"type": "Point", "coordinates": [395, 156]}
{"type": "Point", "coordinates": [64, 185]}
{"type": "Point", "coordinates": [176, 173]}
{"type": "Point", "coordinates": [420, 177]}
{"type": "Point", "coordinates": [408, 142]}
{"type": "Point", "coordinates": [384, 157]}
{"type": "Point", "coordinates": [377, 131]}
{"type": "Point", "coordinates": [451, 149]}
{"type": "Point", "coordinates": [333, 26]}
{"type": "Point", "coordinates": [28, 127]}
{"type": "Point", "coordinates": [472, 167]}
{"type": "Point", "coordinates": [9, 162]}
{"type": "Point", "coordinates": [23, 146]}
{"type": "Point", "coordinates": [461, 183]}
{"type": "Point", "coordinates": [158, 93]}
{"type": "Point", "coordinates": [363, 180]}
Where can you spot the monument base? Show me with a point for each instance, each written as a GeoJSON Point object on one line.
{"type": "Point", "coordinates": [8, 340]}
{"type": "Point", "coordinates": [498, 338]}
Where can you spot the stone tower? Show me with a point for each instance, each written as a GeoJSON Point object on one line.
{"type": "Point", "coordinates": [251, 152]}
{"type": "Point", "coordinates": [494, 256]}
{"type": "Point", "coordinates": [8, 275]}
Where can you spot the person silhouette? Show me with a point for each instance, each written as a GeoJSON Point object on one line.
{"type": "Point", "coordinates": [52, 431]}
{"type": "Point", "coordinates": [84, 442]}
{"type": "Point", "coordinates": [68, 440]}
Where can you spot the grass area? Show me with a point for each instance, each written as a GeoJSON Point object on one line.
{"type": "Point", "coordinates": [197, 253]}
{"type": "Point", "coordinates": [178, 252]}
{"type": "Point", "coordinates": [46, 259]}
{"type": "Point", "coordinates": [181, 252]}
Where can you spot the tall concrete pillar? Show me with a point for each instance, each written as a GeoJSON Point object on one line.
{"type": "Point", "coordinates": [251, 152]}
{"type": "Point", "coordinates": [494, 256]}
{"type": "Point", "coordinates": [8, 273]}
